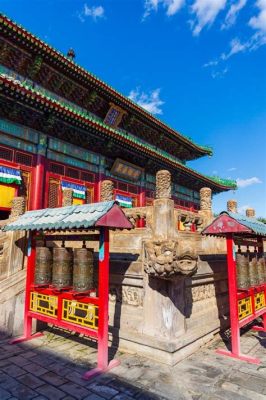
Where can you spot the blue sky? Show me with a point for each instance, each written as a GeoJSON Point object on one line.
{"type": "Point", "coordinates": [199, 65]}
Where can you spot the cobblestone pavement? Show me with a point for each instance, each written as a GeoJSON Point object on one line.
{"type": "Point", "coordinates": [51, 367]}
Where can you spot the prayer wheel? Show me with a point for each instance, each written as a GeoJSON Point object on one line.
{"type": "Point", "coordinates": [83, 270]}
{"type": "Point", "coordinates": [261, 270]}
{"type": "Point", "coordinates": [43, 266]}
{"type": "Point", "coordinates": [253, 272]}
{"type": "Point", "coordinates": [242, 271]}
{"type": "Point", "coordinates": [62, 267]}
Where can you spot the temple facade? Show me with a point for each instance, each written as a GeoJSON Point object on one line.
{"type": "Point", "coordinates": [63, 128]}
{"type": "Point", "coordinates": [68, 138]}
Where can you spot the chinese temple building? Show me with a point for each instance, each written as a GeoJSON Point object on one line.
{"type": "Point", "coordinates": [63, 128]}
{"type": "Point", "coordinates": [67, 138]}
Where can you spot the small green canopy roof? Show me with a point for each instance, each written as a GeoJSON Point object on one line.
{"type": "Point", "coordinates": [107, 214]}
{"type": "Point", "coordinates": [228, 222]}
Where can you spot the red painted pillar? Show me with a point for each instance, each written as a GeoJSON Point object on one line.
{"type": "Point", "coordinates": [103, 290]}
{"type": "Point", "coordinates": [98, 189]}
{"type": "Point", "coordinates": [38, 184]}
{"type": "Point", "coordinates": [233, 302]}
{"type": "Point", "coordinates": [142, 203]}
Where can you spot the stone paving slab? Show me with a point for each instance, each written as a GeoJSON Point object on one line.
{"type": "Point", "coordinates": [51, 368]}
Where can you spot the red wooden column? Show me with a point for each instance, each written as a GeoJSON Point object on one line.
{"type": "Point", "coordinates": [27, 334]}
{"type": "Point", "coordinates": [263, 316]}
{"type": "Point", "coordinates": [37, 187]}
{"type": "Point", "coordinates": [103, 294]}
{"type": "Point", "coordinates": [142, 203]}
{"type": "Point", "coordinates": [232, 287]}
{"type": "Point", "coordinates": [233, 306]}
{"type": "Point", "coordinates": [103, 299]}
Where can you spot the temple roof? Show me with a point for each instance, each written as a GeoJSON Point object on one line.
{"type": "Point", "coordinates": [22, 37]}
{"type": "Point", "coordinates": [228, 222]}
{"type": "Point", "coordinates": [33, 98]}
{"type": "Point", "coordinates": [104, 214]}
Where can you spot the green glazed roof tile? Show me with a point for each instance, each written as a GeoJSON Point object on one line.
{"type": "Point", "coordinates": [258, 227]}
{"type": "Point", "coordinates": [49, 49]}
{"type": "Point", "coordinates": [119, 133]}
{"type": "Point", "coordinates": [82, 216]}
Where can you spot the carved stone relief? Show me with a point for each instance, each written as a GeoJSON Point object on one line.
{"type": "Point", "coordinates": [163, 185]}
{"type": "Point", "coordinates": [18, 207]}
{"type": "Point", "coordinates": [127, 295]}
{"type": "Point", "coordinates": [205, 199]}
{"type": "Point", "coordinates": [162, 259]}
{"type": "Point", "coordinates": [67, 197]}
{"type": "Point", "coordinates": [232, 206]}
{"type": "Point", "coordinates": [107, 190]}
{"type": "Point", "coordinates": [201, 292]}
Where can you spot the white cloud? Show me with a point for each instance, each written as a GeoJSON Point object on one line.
{"type": "Point", "coordinates": [95, 12]}
{"type": "Point", "coordinates": [232, 13]}
{"type": "Point", "coordinates": [171, 6]}
{"type": "Point", "coordinates": [231, 169]}
{"type": "Point", "coordinates": [149, 101]}
{"type": "Point", "coordinates": [259, 22]}
{"type": "Point", "coordinates": [206, 11]}
{"type": "Point", "coordinates": [235, 47]}
{"type": "Point", "coordinates": [241, 183]}
{"type": "Point", "coordinates": [211, 63]}
{"type": "Point", "coordinates": [219, 74]}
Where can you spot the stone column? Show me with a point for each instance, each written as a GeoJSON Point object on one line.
{"type": "Point", "coordinates": [163, 185]}
{"type": "Point", "coordinates": [163, 304]}
{"type": "Point", "coordinates": [205, 199]}
{"type": "Point", "coordinates": [250, 213]}
{"type": "Point", "coordinates": [67, 197]}
{"type": "Point", "coordinates": [163, 207]}
{"type": "Point", "coordinates": [107, 190]}
{"type": "Point", "coordinates": [232, 206]}
{"type": "Point", "coordinates": [206, 205]}
{"type": "Point", "coordinates": [18, 207]}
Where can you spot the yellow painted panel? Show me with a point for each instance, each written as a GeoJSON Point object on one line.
{"type": "Point", "coordinates": [77, 201]}
{"type": "Point", "coordinates": [244, 308]}
{"type": "Point", "coordinates": [7, 193]}
{"type": "Point", "coordinates": [43, 304]}
{"type": "Point", "coordinates": [259, 301]}
{"type": "Point", "coordinates": [82, 314]}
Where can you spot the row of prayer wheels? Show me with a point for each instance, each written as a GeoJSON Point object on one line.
{"type": "Point", "coordinates": [63, 268]}
{"type": "Point", "coordinates": [251, 270]}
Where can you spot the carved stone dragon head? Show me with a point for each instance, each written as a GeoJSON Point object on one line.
{"type": "Point", "coordinates": [163, 259]}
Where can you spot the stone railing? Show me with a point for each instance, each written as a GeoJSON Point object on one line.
{"type": "Point", "coordinates": [137, 216]}
{"type": "Point", "coordinates": [189, 221]}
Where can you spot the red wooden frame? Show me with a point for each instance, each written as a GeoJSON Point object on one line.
{"type": "Point", "coordinates": [53, 175]}
{"type": "Point", "coordinates": [101, 333]}
{"type": "Point", "coordinates": [227, 226]}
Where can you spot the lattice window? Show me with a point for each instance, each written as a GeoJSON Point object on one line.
{"type": "Point", "coordinates": [133, 189]}
{"type": "Point", "coordinates": [23, 158]}
{"type": "Point", "coordinates": [122, 186]}
{"type": "Point", "coordinates": [150, 194]}
{"type": "Point", "coordinates": [72, 173]}
{"type": "Point", "coordinates": [53, 193]}
{"type": "Point", "coordinates": [6, 154]}
{"type": "Point", "coordinates": [87, 176]}
{"type": "Point", "coordinates": [57, 168]}
{"type": "Point", "coordinates": [89, 195]}
{"type": "Point", "coordinates": [23, 189]}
